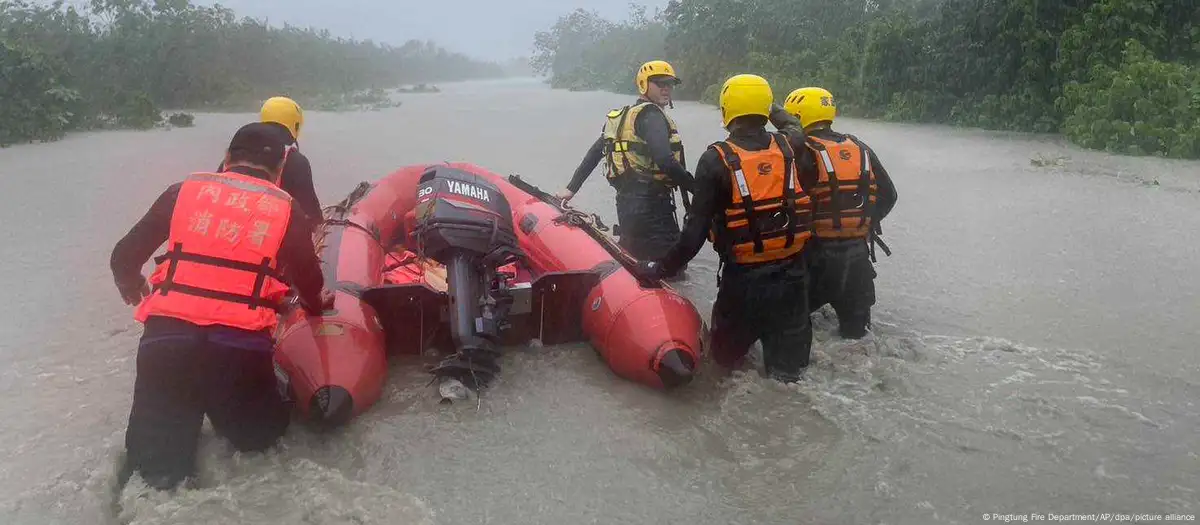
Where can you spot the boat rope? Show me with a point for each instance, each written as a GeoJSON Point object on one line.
{"type": "Point", "coordinates": [583, 221]}
{"type": "Point", "coordinates": [370, 233]}
{"type": "Point", "coordinates": [335, 215]}
{"type": "Point", "coordinates": [579, 219]}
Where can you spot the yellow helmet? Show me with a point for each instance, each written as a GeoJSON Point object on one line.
{"type": "Point", "coordinates": [745, 95]}
{"type": "Point", "coordinates": [651, 69]}
{"type": "Point", "coordinates": [811, 105]}
{"type": "Point", "coordinates": [285, 111]}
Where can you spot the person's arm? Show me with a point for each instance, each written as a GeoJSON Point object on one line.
{"type": "Point", "coordinates": [301, 266]}
{"type": "Point", "coordinates": [711, 175]}
{"type": "Point", "coordinates": [652, 126]}
{"type": "Point", "coordinates": [590, 160]}
{"type": "Point", "coordinates": [887, 189]}
{"type": "Point", "coordinates": [140, 243]}
{"type": "Point", "coordinates": [787, 123]}
{"type": "Point", "coordinates": [806, 162]}
{"type": "Point", "coordinates": [298, 182]}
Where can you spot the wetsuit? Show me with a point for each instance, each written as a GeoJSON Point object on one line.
{"type": "Point", "coordinates": [185, 371]}
{"type": "Point", "coordinates": [297, 178]}
{"type": "Point", "coordinates": [764, 301]}
{"type": "Point", "coordinates": [842, 272]}
{"type": "Point", "coordinates": [645, 210]}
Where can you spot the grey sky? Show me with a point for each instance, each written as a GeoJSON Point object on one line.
{"type": "Point", "coordinates": [491, 29]}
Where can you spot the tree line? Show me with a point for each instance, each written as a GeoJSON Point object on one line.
{"type": "Point", "coordinates": [115, 63]}
{"type": "Point", "coordinates": [1120, 75]}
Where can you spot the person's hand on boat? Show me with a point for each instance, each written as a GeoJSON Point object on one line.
{"type": "Point", "coordinates": [648, 270]}
{"type": "Point", "coordinates": [132, 293]}
{"type": "Point", "coordinates": [326, 302]}
{"type": "Point", "coordinates": [565, 196]}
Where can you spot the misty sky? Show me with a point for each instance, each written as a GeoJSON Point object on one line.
{"type": "Point", "coordinates": [491, 29]}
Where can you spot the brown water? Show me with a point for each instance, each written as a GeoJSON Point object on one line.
{"type": "Point", "coordinates": [1034, 348]}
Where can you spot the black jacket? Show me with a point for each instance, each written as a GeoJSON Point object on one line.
{"type": "Point", "coordinates": [651, 125]}
{"type": "Point", "coordinates": [297, 179]}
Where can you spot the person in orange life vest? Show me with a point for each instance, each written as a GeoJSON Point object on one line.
{"type": "Point", "coordinates": [286, 117]}
{"type": "Point", "coordinates": [852, 194]}
{"type": "Point", "coordinates": [750, 203]}
{"type": "Point", "coordinates": [234, 242]}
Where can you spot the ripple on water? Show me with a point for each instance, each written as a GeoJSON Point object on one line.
{"type": "Point", "coordinates": [281, 486]}
{"type": "Point", "coordinates": [276, 491]}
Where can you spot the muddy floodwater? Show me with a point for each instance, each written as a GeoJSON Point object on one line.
{"type": "Point", "coordinates": [1034, 348]}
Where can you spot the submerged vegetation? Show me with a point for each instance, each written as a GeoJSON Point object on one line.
{"type": "Point", "coordinates": [117, 63]}
{"type": "Point", "coordinates": [368, 100]}
{"type": "Point", "coordinates": [1120, 75]}
{"type": "Point", "coordinates": [419, 88]}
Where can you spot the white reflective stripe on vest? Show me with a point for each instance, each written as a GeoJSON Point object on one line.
{"type": "Point", "coordinates": [743, 187]}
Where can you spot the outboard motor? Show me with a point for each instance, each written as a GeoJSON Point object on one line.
{"type": "Point", "coordinates": [465, 223]}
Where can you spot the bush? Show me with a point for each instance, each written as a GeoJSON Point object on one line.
{"type": "Point", "coordinates": [1017, 65]}
{"type": "Point", "coordinates": [182, 120]}
{"type": "Point", "coordinates": [712, 94]}
{"type": "Point", "coordinates": [37, 106]}
{"type": "Point", "coordinates": [118, 64]}
{"type": "Point", "coordinates": [582, 51]}
{"type": "Point", "coordinates": [1144, 106]}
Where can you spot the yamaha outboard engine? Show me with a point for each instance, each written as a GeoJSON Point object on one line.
{"type": "Point", "coordinates": [465, 223]}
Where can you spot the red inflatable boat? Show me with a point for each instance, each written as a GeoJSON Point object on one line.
{"type": "Point", "coordinates": [451, 256]}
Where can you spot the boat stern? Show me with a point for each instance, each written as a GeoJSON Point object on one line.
{"type": "Point", "coordinates": [654, 338]}
{"type": "Point", "coordinates": [334, 369]}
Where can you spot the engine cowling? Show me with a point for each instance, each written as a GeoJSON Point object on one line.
{"type": "Point", "coordinates": [461, 213]}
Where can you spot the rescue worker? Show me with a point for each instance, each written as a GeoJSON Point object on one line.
{"type": "Point", "coordinates": [234, 242]}
{"type": "Point", "coordinates": [644, 161]}
{"type": "Point", "coordinates": [286, 117]}
{"type": "Point", "coordinates": [852, 194]}
{"type": "Point", "coordinates": [750, 203]}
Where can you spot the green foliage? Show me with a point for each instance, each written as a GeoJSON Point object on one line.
{"type": "Point", "coordinates": [1142, 106]}
{"type": "Point", "coordinates": [117, 62]}
{"type": "Point", "coordinates": [369, 100]}
{"type": "Point", "coordinates": [36, 104]}
{"type": "Point", "coordinates": [583, 51]}
{"type": "Point", "coordinates": [1023, 65]}
{"type": "Point", "coordinates": [181, 120]}
{"type": "Point", "coordinates": [712, 94]}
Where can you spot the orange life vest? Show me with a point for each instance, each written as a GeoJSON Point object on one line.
{"type": "Point", "coordinates": [845, 195]}
{"type": "Point", "coordinates": [768, 219]}
{"type": "Point", "coordinates": [221, 267]}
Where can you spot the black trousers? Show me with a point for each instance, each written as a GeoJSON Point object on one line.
{"type": "Point", "coordinates": [181, 378]}
{"type": "Point", "coordinates": [844, 278]}
{"type": "Point", "coordinates": [767, 304]}
{"type": "Point", "coordinates": [648, 224]}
